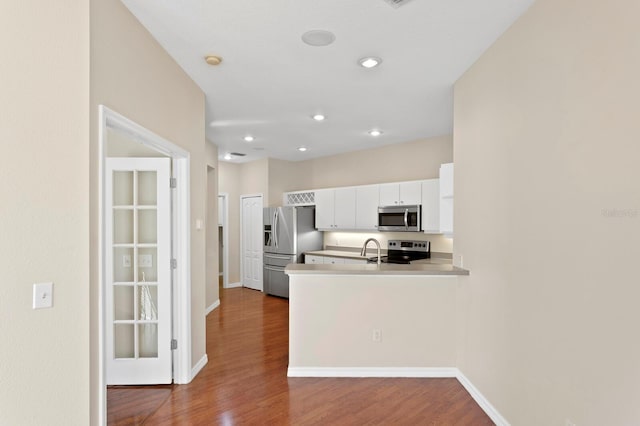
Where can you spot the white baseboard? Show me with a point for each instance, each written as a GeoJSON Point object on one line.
{"type": "Point", "coordinates": [212, 307]}
{"type": "Point", "coordinates": [233, 285]}
{"type": "Point", "coordinates": [199, 366]}
{"type": "Point", "coordinates": [371, 372]}
{"type": "Point", "coordinates": [483, 402]}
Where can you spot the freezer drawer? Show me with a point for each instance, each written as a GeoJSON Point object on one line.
{"type": "Point", "coordinates": [276, 282]}
{"type": "Point", "coordinates": [282, 260]}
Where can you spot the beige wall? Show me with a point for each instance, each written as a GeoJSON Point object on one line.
{"type": "Point", "coordinates": [44, 212]}
{"type": "Point", "coordinates": [212, 242]}
{"type": "Point", "coordinates": [547, 215]}
{"type": "Point", "coordinates": [415, 315]}
{"type": "Point", "coordinates": [392, 163]}
{"type": "Point", "coordinates": [230, 182]}
{"type": "Point", "coordinates": [133, 75]}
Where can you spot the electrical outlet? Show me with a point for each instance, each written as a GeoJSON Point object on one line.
{"type": "Point", "coordinates": [145, 261]}
{"type": "Point", "coordinates": [126, 261]}
{"type": "Point", "coordinates": [376, 336]}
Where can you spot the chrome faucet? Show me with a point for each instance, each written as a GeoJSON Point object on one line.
{"type": "Point", "coordinates": [364, 248]}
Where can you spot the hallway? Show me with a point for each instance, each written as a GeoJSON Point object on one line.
{"type": "Point", "coordinates": [245, 382]}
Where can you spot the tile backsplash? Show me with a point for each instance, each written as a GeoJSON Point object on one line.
{"type": "Point", "coordinates": [439, 243]}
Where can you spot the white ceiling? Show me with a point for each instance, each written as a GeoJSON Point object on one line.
{"type": "Point", "coordinates": [270, 82]}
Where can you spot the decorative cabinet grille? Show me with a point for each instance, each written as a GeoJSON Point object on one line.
{"type": "Point", "coordinates": [304, 198]}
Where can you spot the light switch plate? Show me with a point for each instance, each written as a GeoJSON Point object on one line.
{"type": "Point", "coordinates": [42, 295]}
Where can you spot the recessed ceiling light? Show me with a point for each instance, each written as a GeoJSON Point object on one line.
{"type": "Point", "coordinates": [318, 37]}
{"type": "Point", "coordinates": [248, 138]}
{"type": "Point", "coordinates": [375, 132]}
{"type": "Point", "coordinates": [302, 148]}
{"type": "Point", "coordinates": [319, 117]}
{"type": "Point", "coordinates": [370, 62]}
{"type": "Point", "coordinates": [213, 60]}
{"type": "Point", "coordinates": [227, 156]}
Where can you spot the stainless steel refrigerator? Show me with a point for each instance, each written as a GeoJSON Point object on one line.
{"type": "Point", "coordinates": [288, 233]}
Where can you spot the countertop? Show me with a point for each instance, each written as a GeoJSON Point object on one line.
{"type": "Point", "coordinates": [423, 267]}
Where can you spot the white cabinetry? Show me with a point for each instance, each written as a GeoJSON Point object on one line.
{"type": "Point", "coordinates": [431, 206]}
{"type": "Point", "coordinates": [331, 260]}
{"type": "Point", "coordinates": [308, 259]}
{"type": "Point", "coordinates": [336, 209]}
{"type": "Point", "coordinates": [407, 193]}
{"type": "Point", "coordinates": [367, 202]}
{"type": "Point", "coordinates": [446, 199]}
{"type": "Point", "coordinates": [325, 199]}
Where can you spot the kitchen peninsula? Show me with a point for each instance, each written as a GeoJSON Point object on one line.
{"type": "Point", "coordinates": [368, 320]}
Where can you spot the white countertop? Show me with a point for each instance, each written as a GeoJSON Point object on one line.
{"type": "Point", "coordinates": [424, 267]}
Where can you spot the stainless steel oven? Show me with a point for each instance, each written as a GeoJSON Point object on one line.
{"type": "Point", "coordinates": [400, 218]}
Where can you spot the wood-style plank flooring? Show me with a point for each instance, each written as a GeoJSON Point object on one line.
{"type": "Point", "coordinates": [245, 382]}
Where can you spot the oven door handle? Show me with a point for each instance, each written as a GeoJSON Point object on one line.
{"type": "Point", "coordinates": [406, 219]}
{"type": "Point", "coordinates": [270, 268]}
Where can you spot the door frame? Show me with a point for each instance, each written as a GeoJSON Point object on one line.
{"type": "Point", "coordinates": [181, 244]}
{"type": "Point", "coordinates": [225, 239]}
{"type": "Point", "coordinates": [242, 197]}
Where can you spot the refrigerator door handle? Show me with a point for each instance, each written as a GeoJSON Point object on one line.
{"type": "Point", "coordinates": [271, 268]}
{"type": "Point", "coordinates": [277, 256]}
{"type": "Point", "coordinates": [275, 227]}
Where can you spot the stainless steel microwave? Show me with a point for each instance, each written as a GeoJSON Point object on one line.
{"type": "Point", "coordinates": [400, 218]}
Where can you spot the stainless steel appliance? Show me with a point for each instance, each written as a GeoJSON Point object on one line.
{"type": "Point", "coordinates": [401, 251]}
{"type": "Point", "coordinates": [400, 218]}
{"type": "Point", "coordinates": [288, 233]}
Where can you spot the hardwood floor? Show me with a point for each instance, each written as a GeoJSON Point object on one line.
{"type": "Point", "coordinates": [245, 382]}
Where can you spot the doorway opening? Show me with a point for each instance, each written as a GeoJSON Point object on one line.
{"type": "Point", "coordinates": [223, 238]}
{"type": "Point", "coordinates": [120, 136]}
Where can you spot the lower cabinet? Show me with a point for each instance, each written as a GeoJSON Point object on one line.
{"type": "Point", "coordinates": [329, 260]}
{"type": "Point", "coordinates": [311, 259]}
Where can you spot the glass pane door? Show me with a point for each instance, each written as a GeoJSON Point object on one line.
{"type": "Point", "coordinates": [135, 292]}
{"type": "Point", "coordinates": [138, 271]}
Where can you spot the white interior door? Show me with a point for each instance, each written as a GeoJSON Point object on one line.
{"type": "Point", "coordinates": [138, 271]}
{"type": "Point", "coordinates": [252, 242]}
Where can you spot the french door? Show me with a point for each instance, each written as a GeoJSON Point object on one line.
{"type": "Point", "coordinates": [138, 271]}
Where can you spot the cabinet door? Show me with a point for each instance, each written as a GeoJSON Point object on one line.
{"type": "Point", "coordinates": [389, 194]}
{"type": "Point", "coordinates": [446, 180]}
{"type": "Point", "coordinates": [345, 208]}
{"type": "Point", "coordinates": [431, 206]}
{"type": "Point", "coordinates": [367, 202]}
{"type": "Point", "coordinates": [446, 199]}
{"type": "Point", "coordinates": [324, 208]}
{"type": "Point", "coordinates": [333, 260]}
{"type": "Point", "coordinates": [410, 193]}
{"type": "Point", "coordinates": [311, 259]}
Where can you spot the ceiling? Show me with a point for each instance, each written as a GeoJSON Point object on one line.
{"type": "Point", "coordinates": [270, 83]}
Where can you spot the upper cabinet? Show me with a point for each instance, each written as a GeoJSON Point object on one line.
{"type": "Point", "coordinates": [367, 202]}
{"type": "Point", "coordinates": [355, 208]}
{"type": "Point", "coordinates": [446, 199]}
{"type": "Point", "coordinates": [335, 209]}
{"type": "Point", "coordinates": [431, 206]}
{"type": "Point", "coordinates": [406, 193]}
